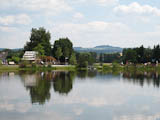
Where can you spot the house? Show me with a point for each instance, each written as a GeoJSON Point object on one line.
{"type": "Point", "coordinates": [3, 57]}
{"type": "Point", "coordinates": [30, 56]}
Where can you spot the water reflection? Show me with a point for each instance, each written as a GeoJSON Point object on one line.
{"type": "Point", "coordinates": [79, 95]}
{"type": "Point", "coordinates": [40, 92]}
{"type": "Point", "coordinates": [142, 78]}
{"type": "Point", "coordinates": [63, 82]}
{"type": "Point", "coordinates": [84, 74]}
{"type": "Point", "coordinates": [39, 84]}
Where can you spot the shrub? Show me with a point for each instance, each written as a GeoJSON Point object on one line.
{"type": "Point", "coordinates": [106, 67]}
{"type": "Point", "coordinates": [16, 59]}
{"type": "Point", "coordinates": [23, 64]}
{"type": "Point", "coordinates": [115, 65]}
{"type": "Point", "coordinates": [34, 65]}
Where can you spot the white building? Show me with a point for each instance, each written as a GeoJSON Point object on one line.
{"type": "Point", "coordinates": [30, 55]}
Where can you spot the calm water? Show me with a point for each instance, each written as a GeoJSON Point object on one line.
{"type": "Point", "coordinates": [79, 96]}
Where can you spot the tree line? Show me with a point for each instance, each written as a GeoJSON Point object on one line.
{"type": "Point", "coordinates": [62, 50]}
{"type": "Point", "coordinates": [141, 55]}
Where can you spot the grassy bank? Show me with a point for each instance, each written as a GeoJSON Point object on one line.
{"type": "Point", "coordinates": [104, 67]}
{"type": "Point", "coordinates": [37, 68]}
{"type": "Point", "coordinates": [128, 68]}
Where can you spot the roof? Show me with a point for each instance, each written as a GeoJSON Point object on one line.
{"type": "Point", "coordinates": [30, 55]}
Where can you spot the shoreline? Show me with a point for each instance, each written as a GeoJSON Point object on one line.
{"type": "Point", "coordinates": [37, 68]}
{"type": "Point", "coordinates": [106, 67]}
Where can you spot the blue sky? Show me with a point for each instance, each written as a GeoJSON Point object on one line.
{"type": "Point", "coordinates": [87, 23]}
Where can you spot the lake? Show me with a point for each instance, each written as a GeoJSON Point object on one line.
{"type": "Point", "coordinates": [81, 95]}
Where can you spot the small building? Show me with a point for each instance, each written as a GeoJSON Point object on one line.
{"type": "Point", "coordinates": [11, 63]}
{"type": "Point", "coordinates": [121, 54]}
{"type": "Point", "coordinates": [3, 57]}
{"type": "Point", "coordinates": [30, 56]}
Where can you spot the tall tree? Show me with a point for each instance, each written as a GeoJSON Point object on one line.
{"type": "Point", "coordinates": [129, 55]}
{"type": "Point", "coordinates": [156, 53]}
{"type": "Point", "coordinates": [140, 54]}
{"type": "Point", "coordinates": [40, 49]}
{"type": "Point", "coordinates": [66, 45]}
{"type": "Point", "coordinates": [39, 36]}
{"type": "Point", "coordinates": [58, 53]}
{"type": "Point", "coordinates": [72, 60]}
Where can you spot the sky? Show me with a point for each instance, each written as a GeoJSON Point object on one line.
{"type": "Point", "coordinates": [87, 23]}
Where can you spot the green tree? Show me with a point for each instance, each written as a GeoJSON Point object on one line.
{"type": "Point", "coordinates": [156, 53]}
{"type": "Point", "coordinates": [16, 59]}
{"type": "Point", "coordinates": [58, 53]}
{"type": "Point", "coordinates": [83, 60]}
{"type": "Point", "coordinates": [66, 45]}
{"type": "Point", "coordinates": [129, 55]}
{"type": "Point", "coordinates": [73, 60]}
{"type": "Point", "coordinates": [140, 54]}
{"type": "Point", "coordinates": [148, 53]}
{"type": "Point", "coordinates": [40, 49]}
{"type": "Point", "coordinates": [39, 36]}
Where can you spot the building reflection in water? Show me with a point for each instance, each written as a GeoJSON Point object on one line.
{"type": "Point", "coordinates": [39, 84]}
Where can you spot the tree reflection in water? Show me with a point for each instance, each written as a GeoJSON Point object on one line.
{"type": "Point", "coordinates": [84, 74]}
{"type": "Point", "coordinates": [39, 84]}
{"type": "Point", "coordinates": [141, 78]}
{"type": "Point", "coordinates": [63, 82]}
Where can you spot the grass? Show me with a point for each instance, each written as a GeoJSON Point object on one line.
{"type": "Point", "coordinates": [129, 68]}
{"type": "Point", "coordinates": [9, 68]}
{"type": "Point", "coordinates": [99, 67]}
{"type": "Point", "coordinates": [36, 68]}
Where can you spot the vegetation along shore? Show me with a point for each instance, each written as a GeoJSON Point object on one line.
{"type": "Point", "coordinates": [39, 54]}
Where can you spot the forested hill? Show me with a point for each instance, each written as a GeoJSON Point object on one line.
{"type": "Point", "coordinates": [1, 49]}
{"type": "Point", "coordinates": [97, 49]}
{"type": "Point", "coordinates": [100, 49]}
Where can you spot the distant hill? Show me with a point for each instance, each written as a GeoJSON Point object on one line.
{"type": "Point", "coordinates": [100, 49]}
{"type": "Point", "coordinates": [2, 49]}
{"type": "Point", "coordinates": [97, 49]}
{"type": "Point", "coordinates": [11, 49]}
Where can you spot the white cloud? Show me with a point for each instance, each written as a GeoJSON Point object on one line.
{"type": "Point", "coordinates": [138, 117]}
{"type": "Point", "coordinates": [136, 8]}
{"type": "Point", "coordinates": [8, 29]}
{"type": "Point", "coordinates": [7, 20]}
{"type": "Point", "coordinates": [20, 107]}
{"type": "Point", "coordinates": [51, 6]}
{"type": "Point", "coordinates": [15, 19]}
{"type": "Point", "coordinates": [98, 2]}
{"type": "Point", "coordinates": [23, 19]}
{"type": "Point", "coordinates": [95, 26]}
{"type": "Point", "coordinates": [92, 33]}
{"type": "Point", "coordinates": [105, 33]}
{"type": "Point", "coordinates": [78, 15]}
{"type": "Point", "coordinates": [6, 107]}
{"type": "Point", "coordinates": [13, 35]}
{"type": "Point", "coordinates": [78, 111]}
{"type": "Point", "coordinates": [106, 2]}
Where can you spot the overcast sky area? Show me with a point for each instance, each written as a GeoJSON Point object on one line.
{"type": "Point", "coordinates": [87, 23]}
